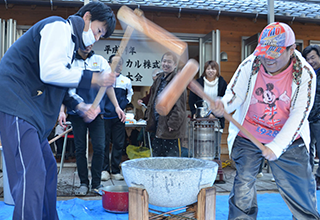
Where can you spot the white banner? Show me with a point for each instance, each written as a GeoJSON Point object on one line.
{"type": "Point", "coordinates": [140, 58]}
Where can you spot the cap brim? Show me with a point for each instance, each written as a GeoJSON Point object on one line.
{"type": "Point", "coordinates": [268, 51]}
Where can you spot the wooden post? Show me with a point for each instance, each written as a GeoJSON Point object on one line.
{"type": "Point", "coordinates": [138, 204]}
{"type": "Point", "coordinates": [206, 207]}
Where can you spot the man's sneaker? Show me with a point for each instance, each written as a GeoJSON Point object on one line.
{"type": "Point", "coordinates": [97, 189]}
{"type": "Point", "coordinates": [117, 176]}
{"type": "Point", "coordinates": [105, 175]}
{"type": "Point", "coordinates": [260, 175]}
{"type": "Point", "coordinates": [272, 179]}
{"type": "Point", "coordinates": [82, 190]}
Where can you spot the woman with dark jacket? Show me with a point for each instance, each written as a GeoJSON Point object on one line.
{"type": "Point", "coordinates": [214, 85]}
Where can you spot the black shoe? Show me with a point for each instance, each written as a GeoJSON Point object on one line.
{"type": "Point", "coordinates": [318, 182]}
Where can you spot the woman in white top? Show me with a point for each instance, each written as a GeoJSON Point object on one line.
{"type": "Point", "coordinates": [215, 86]}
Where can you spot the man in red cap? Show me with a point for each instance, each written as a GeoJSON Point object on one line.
{"type": "Point", "coordinates": [274, 107]}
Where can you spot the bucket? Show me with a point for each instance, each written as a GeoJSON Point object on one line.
{"type": "Point", "coordinates": [7, 197]}
{"type": "Point", "coordinates": [115, 198]}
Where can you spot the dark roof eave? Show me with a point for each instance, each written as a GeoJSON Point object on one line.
{"type": "Point", "coordinates": [216, 13]}
{"type": "Point", "coordinates": [176, 10]}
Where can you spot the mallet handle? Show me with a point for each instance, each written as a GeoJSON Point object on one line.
{"type": "Point", "coordinates": [123, 44]}
{"type": "Point", "coordinates": [60, 135]}
{"type": "Point", "coordinates": [195, 87]}
{"type": "Point", "coordinates": [152, 30]}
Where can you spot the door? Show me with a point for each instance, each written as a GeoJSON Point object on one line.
{"type": "Point", "coordinates": [2, 37]}
{"type": "Point", "coordinates": [209, 48]}
{"type": "Point", "coordinates": [249, 44]}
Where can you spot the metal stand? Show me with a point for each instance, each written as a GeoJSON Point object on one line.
{"type": "Point", "coordinates": [203, 141]}
{"type": "Point", "coordinates": [64, 149]}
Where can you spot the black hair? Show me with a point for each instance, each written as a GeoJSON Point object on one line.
{"type": "Point", "coordinates": [174, 57]}
{"type": "Point", "coordinates": [310, 48]}
{"type": "Point", "coordinates": [111, 57]}
{"type": "Point", "coordinates": [100, 12]}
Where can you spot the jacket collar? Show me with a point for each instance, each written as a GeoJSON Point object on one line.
{"type": "Point", "coordinates": [169, 76]}
{"type": "Point", "coordinates": [78, 57]}
{"type": "Point", "coordinates": [77, 24]}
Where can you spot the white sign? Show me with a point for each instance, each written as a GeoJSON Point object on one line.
{"type": "Point", "coordinates": [140, 58]}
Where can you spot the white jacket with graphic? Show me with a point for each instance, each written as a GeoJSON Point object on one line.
{"type": "Point", "coordinates": [239, 91]}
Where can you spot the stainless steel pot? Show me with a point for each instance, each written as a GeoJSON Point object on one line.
{"type": "Point", "coordinates": [202, 111]}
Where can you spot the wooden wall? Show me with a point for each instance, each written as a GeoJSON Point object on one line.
{"type": "Point", "coordinates": [231, 30]}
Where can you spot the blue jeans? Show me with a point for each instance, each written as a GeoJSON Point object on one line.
{"type": "Point", "coordinates": [96, 131]}
{"type": "Point", "coordinates": [114, 129]}
{"type": "Point", "coordinates": [292, 173]}
{"type": "Point", "coordinates": [314, 143]}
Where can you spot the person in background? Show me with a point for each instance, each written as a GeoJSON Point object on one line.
{"type": "Point", "coordinates": [272, 93]}
{"type": "Point", "coordinates": [312, 54]}
{"type": "Point", "coordinates": [145, 100]}
{"type": "Point", "coordinates": [88, 60]}
{"type": "Point", "coordinates": [215, 86]}
{"type": "Point", "coordinates": [35, 75]}
{"type": "Point", "coordinates": [114, 126]}
{"type": "Point", "coordinates": [168, 129]}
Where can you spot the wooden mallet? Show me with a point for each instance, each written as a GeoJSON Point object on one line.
{"type": "Point", "coordinates": [195, 87]}
{"type": "Point", "coordinates": [169, 96]}
{"type": "Point", "coordinates": [152, 30]}
{"type": "Point", "coordinates": [122, 46]}
{"type": "Point", "coordinates": [136, 21]}
{"type": "Point", "coordinates": [171, 93]}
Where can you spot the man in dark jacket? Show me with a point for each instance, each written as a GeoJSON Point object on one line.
{"type": "Point", "coordinates": [35, 75]}
{"type": "Point", "coordinates": [312, 54]}
{"type": "Point", "coordinates": [169, 128]}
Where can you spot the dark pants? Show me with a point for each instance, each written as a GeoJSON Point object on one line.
{"type": "Point", "coordinates": [116, 129]}
{"type": "Point", "coordinates": [165, 147]}
{"type": "Point", "coordinates": [314, 143]}
{"type": "Point", "coordinates": [32, 170]}
{"type": "Point", "coordinates": [96, 131]}
{"type": "Point", "coordinates": [292, 173]}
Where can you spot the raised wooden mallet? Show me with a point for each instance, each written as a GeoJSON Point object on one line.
{"type": "Point", "coordinates": [171, 93]}
{"type": "Point", "coordinates": [169, 96]}
{"type": "Point", "coordinates": [151, 30]}
{"type": "Point", "coordinates": [195, 87]}
{"type": "Point", "coordinates": [123, 44]}
{"type": "Point", "coordinates": [136, 21]}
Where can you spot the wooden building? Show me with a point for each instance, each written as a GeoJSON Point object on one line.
{"type": "Point", "coordinates": [234, 24]}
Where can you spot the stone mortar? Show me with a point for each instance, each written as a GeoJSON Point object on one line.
{"type": "Point", "coordinates": [170, 181]}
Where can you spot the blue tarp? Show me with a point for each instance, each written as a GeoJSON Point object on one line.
{"type": "Point", "coordinates": [271, 206]}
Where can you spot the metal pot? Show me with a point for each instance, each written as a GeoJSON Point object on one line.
{"type": "Point", "coordinates": [115, 198]}
{"type": "Point", "coordinates": [203, 111]}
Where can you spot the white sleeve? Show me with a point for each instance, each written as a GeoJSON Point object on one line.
{"type": "Point", "coordinates": [105, 65]}
{"type": "Point", "coordinates": [55, 56]}
{"type": "Point", "coordinates": [74, 95]}
{"type": "Point", "coordinates": [130, 90]}
{"type": "Point", "coordinates": [236, 90]}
